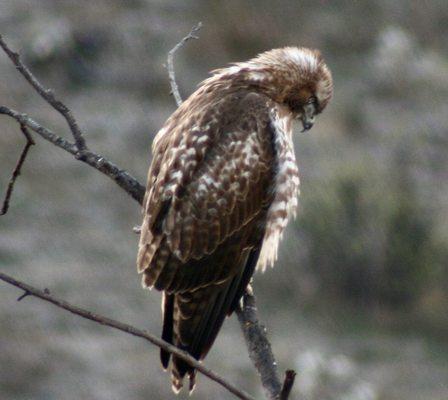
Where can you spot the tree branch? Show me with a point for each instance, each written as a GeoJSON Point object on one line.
{"type": "Point", "coordinates": [17, 169]}
{"type": "Point", "coordinates": [170, 62]}
{"type": "Point", "coordinates": [46, 296]}
{"type": "Point", "coordinates": [47, 95]}
{"type": "Point", "coordinates": [120, 176]}
{"type": "Point", "coordinates": [260, 350]}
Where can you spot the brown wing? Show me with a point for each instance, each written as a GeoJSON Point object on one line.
{"type": "Point", "coordinates": [209, 187]}
{"type": "Point", "coordinates": [208, 180]}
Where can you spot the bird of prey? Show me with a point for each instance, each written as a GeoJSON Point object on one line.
{"type": "Point", "coordinates": [221, 186]}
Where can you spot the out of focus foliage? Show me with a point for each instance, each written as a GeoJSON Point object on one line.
{"type": "Point", "coordinates": [375, 225]}
{"type": "Point", "coordinates": [364, 249]}
{"type": "Point", "coordinates": [370, 243]}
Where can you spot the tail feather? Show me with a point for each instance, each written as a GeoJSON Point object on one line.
{"type": "Point", "coordinates": [235, 291]}
{"type": "Point", "coordinates": [192, 323]}
{"type": "Point", "coordinates": [192, 320]}
{"type": "Point", "coordinates": [216, 319]}
{"type": "Point", "coordinates": [167, 330]}
{"type": "Point", "coordinates": [213, 317]}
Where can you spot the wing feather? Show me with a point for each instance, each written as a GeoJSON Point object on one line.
{"type": "Point", "coordinates": [208, 194]}
{"type": "Point", "coordinates": [208, 183]}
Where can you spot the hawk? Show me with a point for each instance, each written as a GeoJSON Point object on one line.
{"type": "Point", "coordinates": [222, 184]}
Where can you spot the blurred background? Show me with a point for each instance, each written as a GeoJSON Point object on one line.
{"type": "Point", "coordinates": [358, 300]}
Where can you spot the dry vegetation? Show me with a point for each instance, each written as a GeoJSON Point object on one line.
{"type": "Point", "coordinates": [358, 299]}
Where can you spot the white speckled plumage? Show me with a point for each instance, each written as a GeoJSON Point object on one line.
{"type": "Point", "coordinates": [222, 185]}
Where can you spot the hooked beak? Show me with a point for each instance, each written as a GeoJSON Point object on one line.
{"type": "Point", "coordinates": [307, 118]}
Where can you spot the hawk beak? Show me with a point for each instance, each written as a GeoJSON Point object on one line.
{"type": "Point", "coordinates": [308, 117]}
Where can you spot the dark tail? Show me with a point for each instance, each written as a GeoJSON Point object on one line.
{"type": "Point", "coordinates": [167, 330]}
{"type": "Point", "coordinates": [192, 320]}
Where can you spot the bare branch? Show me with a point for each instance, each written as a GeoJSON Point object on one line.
{"type": "Point", "coordinates": [21, 297]}
{"type": "Point", "coordinates": [17, 169]}
{"type": "Point", "coordinates": [170, 62]}
{"type": "Point", "coordinates": [288, 383]}
{"type": "Point", "coordinates": [46, 296]}
{"type": "Point", "coordinates": [121, 177]}
{"type": "Point", "coordinates": [260, 351]}
{"type": "Point", "coordinates": [46, 133]}
{"type": "Point", "coordinates": [47, 95]}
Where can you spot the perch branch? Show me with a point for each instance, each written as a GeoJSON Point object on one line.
{"type": "Point", "coordinates": [47, 95]}
{"type": "Point", "coordinates": [17, 169]}
{"type": "Point", "coordinates": [260, 351]}
{"type": "Point", "coordinates": [46, 296]}
{"type": "Point", "coordinates": [170, 62]}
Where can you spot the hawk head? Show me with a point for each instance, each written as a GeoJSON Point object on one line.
{"type": "Point", "coordinates": [295, 77]}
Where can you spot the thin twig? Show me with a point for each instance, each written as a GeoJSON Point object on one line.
{"type": "Point", "coordinates": [25, 294]}
{"type": "Point", "coordinates": [44, 295]}
{"type": "Point", "coordinates": [121, 177]}
{"type": "Point", "coordinates": [260, 351]}
{"type": "Point", "coordinates": [17, 169]}
{"type": "Point", "coordinates": [288, 383]}
{"type": "Point", "coordinates": [170, 62]}
{"type": "Point", "coordinates": [47, 95]}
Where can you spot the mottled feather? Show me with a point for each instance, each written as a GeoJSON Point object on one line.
{"type": "Point", "coordinates": [222, 184]}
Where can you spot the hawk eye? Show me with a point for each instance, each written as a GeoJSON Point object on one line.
{"type": "Point", "coordinates": [312, 100]}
